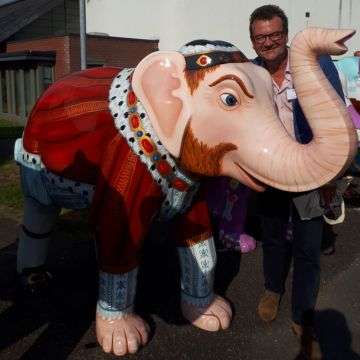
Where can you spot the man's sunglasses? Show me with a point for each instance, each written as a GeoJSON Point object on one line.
{"type": "Point", "coordinates": [275, 36]}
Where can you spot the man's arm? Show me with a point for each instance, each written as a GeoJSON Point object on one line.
{"type": "Point", "coordinates": [303, 132]}
{"type": "Point", "coordinates": [331, 73]}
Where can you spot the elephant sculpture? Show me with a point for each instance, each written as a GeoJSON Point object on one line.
{"type": "Point", "coordinates": [134, 143]}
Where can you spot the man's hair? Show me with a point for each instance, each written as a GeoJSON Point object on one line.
{"type": "Point", "coordinates": [268, 12]}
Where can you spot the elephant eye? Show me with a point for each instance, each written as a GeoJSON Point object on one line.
{"type": "Point", "coordinates": [228, 99]}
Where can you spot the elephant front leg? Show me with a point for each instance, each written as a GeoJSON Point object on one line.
{"type": "Point", "coordinates": [199, 305]}
{"type": "Point", "coordinates": [118, 329]}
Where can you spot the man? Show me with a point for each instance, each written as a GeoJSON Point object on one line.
{"type": "Point", "coordinates": [269, 36]}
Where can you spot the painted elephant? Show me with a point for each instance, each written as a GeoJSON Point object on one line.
{"type": "Point", "coordinates": [134, 143]}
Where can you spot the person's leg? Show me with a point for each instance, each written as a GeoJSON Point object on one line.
{"type": "Point", "coordinates": [306, 280]}
{"type": "Point", "coordinates": [306, 273]}
{"type": "Point", "coordinates": [276, 261]}
{"type": "Point", "coordinates": [276, 254]}
{"type": "Point", "coordinates": [274, 211]}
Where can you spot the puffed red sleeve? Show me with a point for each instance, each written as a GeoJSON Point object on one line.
{"type": "Point", "coordinates": [71, 125]}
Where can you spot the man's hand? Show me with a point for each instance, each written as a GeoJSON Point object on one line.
{"type": "Point", "coordinates": [327, 194]}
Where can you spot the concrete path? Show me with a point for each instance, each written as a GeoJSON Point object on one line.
{"type": "Point", "coordinates": [61, 325]}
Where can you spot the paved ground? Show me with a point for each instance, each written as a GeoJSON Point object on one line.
{"type": "Point", "coordinates": [61, 325]}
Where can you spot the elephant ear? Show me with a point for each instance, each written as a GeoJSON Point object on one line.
{"type": "Point", "coordinates": [159, 83]}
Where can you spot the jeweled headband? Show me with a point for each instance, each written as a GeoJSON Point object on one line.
{"type": "Point", "coordinates": [200, 54]}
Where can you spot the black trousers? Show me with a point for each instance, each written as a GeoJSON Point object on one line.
{"type": "Point", "coordinates": [304, 250]}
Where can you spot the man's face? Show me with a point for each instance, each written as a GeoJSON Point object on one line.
{"type": "Point", "coordinates": [269, 39]}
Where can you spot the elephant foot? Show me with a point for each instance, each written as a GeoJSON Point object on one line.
{"type": "Point", "coordinates": [123, 335]}
{"type": "Point", "coordinates": [214, 317]}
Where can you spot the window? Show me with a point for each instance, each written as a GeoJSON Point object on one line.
{"type": "Point", "coordinates": [48, 77]}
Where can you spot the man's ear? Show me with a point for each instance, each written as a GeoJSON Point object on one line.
{"type": "Point", "coordinates": [159, 83]}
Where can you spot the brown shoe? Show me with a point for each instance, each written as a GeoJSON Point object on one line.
{"type": "Point", "coordinates": [268, 306]}
{"type": "Point", "coordinates": [309, 344]}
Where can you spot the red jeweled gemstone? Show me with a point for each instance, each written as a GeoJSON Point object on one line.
{"type": "Point", "coordinates": [203, 61]}
{"type": "Point", "coordinates": [135, 121]}
{"type": "Point", "coordinates": [131, 98]}
{"type": "Point", "coordinates": [179, 184]}
{"type": "Point", "coordinates": [147, 145]}
{"type": "Point", "coordinates": [163, 167]}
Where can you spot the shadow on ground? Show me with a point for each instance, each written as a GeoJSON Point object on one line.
{"type": "Point", "coordinates": [60, 324]}
{"type": "Point", "coordinates": [334, 336]}
{"type": "Point", "coordinates": [60, 318]}
{"type": "Point", "coordinates": [159, 277]}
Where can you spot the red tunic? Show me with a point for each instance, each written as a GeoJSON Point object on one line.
{"type": "Point", "coordinates": [72, 129]}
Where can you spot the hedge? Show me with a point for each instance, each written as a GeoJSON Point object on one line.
{"type": "Point", "coordinates": [11, 132]}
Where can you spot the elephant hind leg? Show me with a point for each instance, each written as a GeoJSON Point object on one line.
{"type": "Point", "coordinates": [35, 233]}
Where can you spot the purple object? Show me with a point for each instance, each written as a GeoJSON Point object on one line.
{"type": "Point", "coordinates": [355, 116]}
{"type": "Point", "coordinates": [227, 200]}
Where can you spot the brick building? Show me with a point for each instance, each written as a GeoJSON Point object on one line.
{"type": "Point", "coordinates": [41, 43]}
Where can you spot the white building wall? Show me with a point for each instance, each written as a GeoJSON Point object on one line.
{"type": "Point", "coordinates": [176, 22]}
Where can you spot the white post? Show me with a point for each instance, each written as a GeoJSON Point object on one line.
{"type": "Point", "coordinates": [82, 17]}
{"type": "Point", "coordinates": [22, 97]}
{"type": "Point", "coordinates": [340, 14]}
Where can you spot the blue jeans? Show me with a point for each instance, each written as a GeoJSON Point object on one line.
{"type": "Point", "coordinates": [37, 185]}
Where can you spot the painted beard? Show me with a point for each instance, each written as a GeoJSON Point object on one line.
{"type": "Point", "coordinates": [199, 158]}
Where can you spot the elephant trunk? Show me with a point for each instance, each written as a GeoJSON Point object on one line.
{"type": "Point", "coordinates": [302, 167]}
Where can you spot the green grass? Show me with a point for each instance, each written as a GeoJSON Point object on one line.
{"type": "Point", "coordinates": [7, 123]}
{"type": "Point", "coordinates": [10, 191]}
{"type": "Point", "coordinates": [10, 195]}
